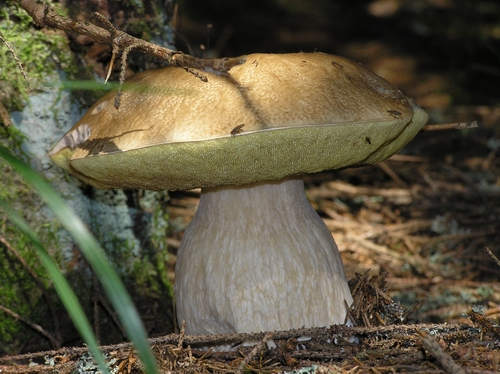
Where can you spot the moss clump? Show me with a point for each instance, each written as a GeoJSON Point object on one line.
{"type": "Point", "coordinates": [20, 292]}
{"type": "Point", "coordinates": [38, 50]}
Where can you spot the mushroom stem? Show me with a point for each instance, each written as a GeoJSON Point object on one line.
{"type": "Point", "coordinates": [258, 258]}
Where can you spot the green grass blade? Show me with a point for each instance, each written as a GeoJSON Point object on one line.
{"type": "Point", "coordinates": [95, 256]}
{"type": "Point", "coordinates": [62, 287]}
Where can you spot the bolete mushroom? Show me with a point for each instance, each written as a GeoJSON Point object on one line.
{"type": "Point", "coordinates": [256, 255]}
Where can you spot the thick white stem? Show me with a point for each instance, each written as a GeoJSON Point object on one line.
{"type": "Point", "coordinates": [258, 258]}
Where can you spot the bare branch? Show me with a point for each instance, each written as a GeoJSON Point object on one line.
{"type": "Point", "coordinates": [43, 16]}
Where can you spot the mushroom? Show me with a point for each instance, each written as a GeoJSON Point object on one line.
{"type": "Point", "coordinates": [256, 256]}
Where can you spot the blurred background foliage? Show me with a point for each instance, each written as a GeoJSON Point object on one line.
{"type": "Point", "coordinates": [459, 40]}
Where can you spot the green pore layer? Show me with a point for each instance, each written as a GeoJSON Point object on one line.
{"type": "Point", "coordinates": [248, 157]}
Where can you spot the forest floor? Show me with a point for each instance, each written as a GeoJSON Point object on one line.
{"type": "Point", "coordinates": [413, 233]}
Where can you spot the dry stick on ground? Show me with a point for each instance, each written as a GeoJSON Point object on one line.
{"type": "Point", "coordinates": [57, 340]}
{"type": "Point", "coordinates": [43, 16]}
{"type": "Point", "coordinates": [432, 346]}
{"type": "Point", "coordinates": [386, 342]}
{"type": "Point", "coordinates": [182, 334]}
{"type": "Point", "coordinates": [437, 127]}
{"type": "Point", "coordinates": [392, 174]}
{"type": "Point", "coordinates": [34, 326]}
{"type": "Point", "coordinates": [254, 352]}
{"type": "Point", "coordinates": [450, 126]}
{"type": "Point", "coordinates": [486, 324]}
{"type": "Point", "coordinates": [492, 256]}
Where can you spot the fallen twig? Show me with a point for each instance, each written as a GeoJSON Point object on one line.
{"type": "Point", "coordinates": [34, 326]}
{"type": "Point", "coordinates": [432, 346]}
{"type": "Point", "coordinates": [325, 344]}
{"type": "Point", "coordinates": [258, 347]}
{"type": "Point", "coordinates": [487, 250]}
{"type": "Point", "coordinates": [485, 323]}
{"type": "Point", "coordinates": [450, 126]}
{"type": "Point", "coordinates": [392, 174]}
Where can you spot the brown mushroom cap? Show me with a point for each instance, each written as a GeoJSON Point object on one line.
{"type": "Point", "coordinates": [302, 113]}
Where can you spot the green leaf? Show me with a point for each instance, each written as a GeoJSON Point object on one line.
{"type": "Point", "coordinates": [95, 256]}
{"type": "Point", "coordinates": [62, 286]}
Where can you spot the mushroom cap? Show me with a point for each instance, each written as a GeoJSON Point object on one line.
{"type": "Point", "coordinates": [302, 113]}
